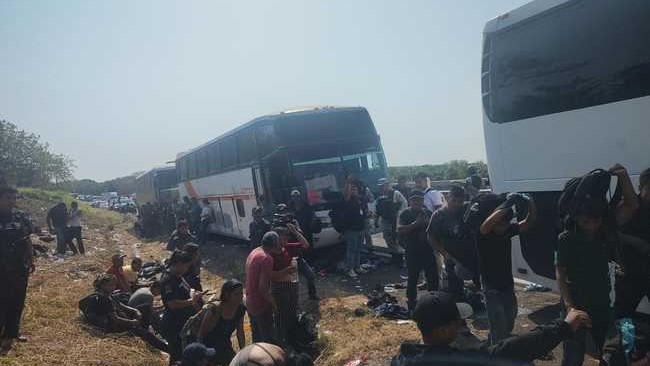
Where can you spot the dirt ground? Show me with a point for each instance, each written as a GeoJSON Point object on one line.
{"type": "Point", "coordinates": [58, 336]}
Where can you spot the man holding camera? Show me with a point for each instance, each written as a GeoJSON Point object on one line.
{"type": "Point", "coordinates": [412, 226]}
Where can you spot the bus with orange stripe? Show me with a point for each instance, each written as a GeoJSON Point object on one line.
{"type": "Point", "coordinates": [258, 164]}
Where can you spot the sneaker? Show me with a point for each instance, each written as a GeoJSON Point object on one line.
{"type": "Point", "coordinates": [352, 274]}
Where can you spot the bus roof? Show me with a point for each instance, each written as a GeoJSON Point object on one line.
{"type": "Point", "coordinates": [156, 169]}
{"type": "Point", "coordinates": [270, 117]}
{"type": "Point", "coordinates": [521, 13]}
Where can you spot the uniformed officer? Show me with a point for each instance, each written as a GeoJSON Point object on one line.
{"type": "Point", "coordinates": [180, 302]}
{"type": "Point", "coordinates": [16, 263]}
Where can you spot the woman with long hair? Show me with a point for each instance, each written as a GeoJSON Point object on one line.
{"type": "Point", "coordinates": [222, 320]}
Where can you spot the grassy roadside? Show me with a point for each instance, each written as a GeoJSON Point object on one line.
{"type": "Point", "coordinates": [51, 319]}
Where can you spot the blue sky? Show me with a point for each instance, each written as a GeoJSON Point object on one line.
{"type": "Point", "coordinates": [121, 86]}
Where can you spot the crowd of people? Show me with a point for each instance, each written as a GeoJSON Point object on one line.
{"type": "Point", "coordinates": [463, 236]}
{"type": "Point", "coordinates": [161, 218]}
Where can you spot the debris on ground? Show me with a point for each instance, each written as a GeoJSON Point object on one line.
{"type": "Point", "coordinates": [534, 287]}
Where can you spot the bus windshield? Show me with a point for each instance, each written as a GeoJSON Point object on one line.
{"type": "Point", "coordinates": [323, 179]}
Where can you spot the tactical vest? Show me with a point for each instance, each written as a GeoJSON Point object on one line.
{"type": "Point", "coordinates": [14, 233]}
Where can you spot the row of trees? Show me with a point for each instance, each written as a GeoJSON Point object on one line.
{"type": "Point", "coordinates": [124, 186]}
{"type": "Point", "coordinates": [455, 169]}
{"type": "Point", "coordinates": [26, 161]}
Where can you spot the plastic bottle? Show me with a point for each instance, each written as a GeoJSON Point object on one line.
{"type": "Point", "coordinates": [294, 264]}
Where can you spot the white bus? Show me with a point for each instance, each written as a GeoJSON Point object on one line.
{"type": "Point", "coordinates": [259, 163]}
{"type": "Point", "coordinates": [565, 89]}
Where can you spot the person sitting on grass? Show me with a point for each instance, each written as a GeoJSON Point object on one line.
{"type": "Point", "coordinates": [142, 300]}
{"type": "Point", "coordinates": [102, 310]}
{"type": "Point", "coordinates": [116, 269]}
{"type": "Point", "coordinates": [440, 320]}
{"type": "Point", "coordinates": [222, 320]}
{"type": "Point", "coordinates": [131, 273]}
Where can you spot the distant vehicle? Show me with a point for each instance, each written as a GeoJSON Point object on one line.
{"type": "Point", "coordinates": [566, 89]}
{"type": "Point", "coordinates": [157, 185]}
{"type": "Point", "coordinates": [260, 162]}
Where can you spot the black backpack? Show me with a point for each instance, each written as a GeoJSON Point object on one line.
{"type": "Point", "coordinates": [89, 307]}
{"type": "Point", "coordinates": [303, 334]}
{"type": "Point", "coordinates": [479, 209]}
{"type": "Point", "coordinates": [593, 185]}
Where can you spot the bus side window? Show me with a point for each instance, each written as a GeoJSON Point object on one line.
{"type": "Point", "coordinates": [241, 210]}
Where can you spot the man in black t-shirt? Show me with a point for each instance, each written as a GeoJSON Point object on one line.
{"type": "Point", "coordinates": [495, 263]}
{"type": "Point", "coordinates": [57, 222]}
{"type": "Point", "coordinates": [412, 227]}
{"type": "Point", "coordinates": [457, 247]}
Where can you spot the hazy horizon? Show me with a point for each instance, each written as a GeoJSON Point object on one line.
{"type": "Point", "coordinates": [124, 86]}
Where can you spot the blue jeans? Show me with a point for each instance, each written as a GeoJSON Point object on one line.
{"type": "Point", "coordinates": [61, 239]}
{"type": "Point", "coordinates": [353, 240]}
{"type": "Point", "coordinates": [501, 309]}
{"type": "Point", "coordinates": [306, 271]}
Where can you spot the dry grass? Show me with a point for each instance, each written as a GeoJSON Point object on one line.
{"type": "Point", "coordinates": [51, 320]}
{"type": "Point", "coordinates": [345, 336]}
{"type": "Point", "coordinates": [59, 337]}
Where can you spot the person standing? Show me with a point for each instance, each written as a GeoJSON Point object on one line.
{"type": "Point", "coordinates": [74, 228]}
{"type": "Point", "coordinates": [412, 227]}
{"type": "Point", "coordinates": [433, 199]}
{"type": "Point", "coordinates": [259, 302]}
{"type": "Point", "coordinates": [195, 216]}
{"type": "Point", "coordinates": [16, 263]}
{"type": "Point", "coordinates": [402, 187]}
{"type": "Point", "coordinates": [57, 223]}
{"type": "Point", "coordinates": [352, 215]}
{"type": "Point", "coordinates": [473, 182]}
{"type": "Point", "coordinates": [222, 320]}
{"type": "Point", "coordinates": [206, 219]}
{"type": "Point", "coordinates": [180, 236]}
{"type": "Point", "coordinates": [495, 263]}
{"type": "Point", "coordinates": [582, 272]}
{"type": "Point", "coordinates": [193, 274]}
{"type": "Point", "coordinates": [258, 227]}
{"type": "Point", "coordinates": [180, 302]}
{"type": "Point", "coordinates": [304, 214]}
{"type": "Point", "coordinates": [389, 204]}
{"type": "Point", "coordinates": [633, 215]}
{"type": "Point", "coordinates": [284, 286]}
{"type": "Point", "coordinates": [457, 248]}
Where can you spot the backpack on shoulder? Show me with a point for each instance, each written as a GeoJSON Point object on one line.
{"type": "Point", "coordinates": [190, 331]}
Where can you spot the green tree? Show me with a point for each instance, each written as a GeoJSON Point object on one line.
{"type": "Point", "coordinates": [28, 162]}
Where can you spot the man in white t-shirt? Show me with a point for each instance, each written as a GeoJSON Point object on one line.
{"type": "Point", "coordinates": [74, 228]}
{"type": "Point", "coordinates": [433, 199]}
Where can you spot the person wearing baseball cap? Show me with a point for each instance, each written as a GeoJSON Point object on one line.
{"type": "Point", "coordinates": [389, 204]}
{"type": "Point", "coordinates": [440, 319]}
{"type": "Point", "coordinates": [412, 227]}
